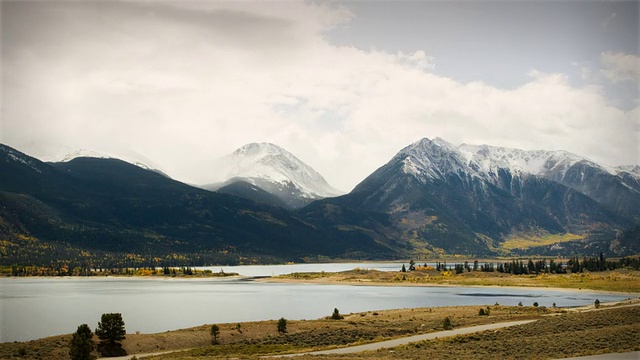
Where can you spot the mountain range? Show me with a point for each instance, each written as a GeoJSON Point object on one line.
{"type": "Point", "coordinates": [432, 198]}
{"type": "Point", "coordinates": [476, 199]}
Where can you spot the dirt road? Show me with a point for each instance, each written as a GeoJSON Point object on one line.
{"type": "Point", "coordinates": [410, 339]}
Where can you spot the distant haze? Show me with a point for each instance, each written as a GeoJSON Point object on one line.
{"type": "Point", "coordinates": [342, 85]}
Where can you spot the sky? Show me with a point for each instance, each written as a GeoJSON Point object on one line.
{"type": "Point", "coordinates": [343, 85]}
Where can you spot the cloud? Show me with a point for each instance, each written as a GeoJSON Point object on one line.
{"type": "Point", "coordinates": [184, 83]}
{"type": "Point", "coordinates": [620, 67]}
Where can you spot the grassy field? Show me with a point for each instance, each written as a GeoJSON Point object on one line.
{"type": "Point", "coordinates": [618, 281]}
{"type": "Point", "coordinates": [527, 241]}
{"type": "Point", "coordinates": [568, 335]}
{"type": "Point", "coordinates": [575, 333]}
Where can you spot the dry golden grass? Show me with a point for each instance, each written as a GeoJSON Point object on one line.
{"type": "Point", "coordinates": [572, 334]}
{"type": "Point", "coordinates": [627, 281]}
{"type": "Point", "coordinates": [527, 241]}
{"type": "Point", "coordinates": [263, 337]}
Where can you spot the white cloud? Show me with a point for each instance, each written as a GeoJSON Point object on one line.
{"type": "Point", "coordinates": [618, 67]}
{"type": "Point", "coordinates": [183, 84]}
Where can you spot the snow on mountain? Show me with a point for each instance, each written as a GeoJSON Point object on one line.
{"type": "Point", "coordinates": [437, 157]}
{"type": "Point", "coordinates": [267, 166]}
{"type": "Point", "coordinates": [630, 169]}
{"type": "Point", "coordinates": [13, 155]}
{"type": "Point", "coordinates": [617, 188]}
{"type": "Point", "coordinates": [128, 156]}
{"type": "Point", "coordinates": [432, 159]}
{"type": "Point", "coordinates": [549, 164]}
{"type": "Point", "coordinates": [537, 162]}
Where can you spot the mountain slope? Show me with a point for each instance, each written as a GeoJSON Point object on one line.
{"type": "Point", "coordinates": [431, 198]}
{"type": "Point", "coordinates": [107, 205]}
{"type": "Point", "coordinates": [276, 171]}
{"type": "Point", "coordinates": [443, 200]}
{"type": "Point", "coordinates": [617, 189]}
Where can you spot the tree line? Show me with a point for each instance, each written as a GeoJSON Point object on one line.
{"type": "Point", "coordinates": [88, 271]}
{"type": "Point", "coordinates": [551, 266]}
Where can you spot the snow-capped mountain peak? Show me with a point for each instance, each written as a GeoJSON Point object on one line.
{"type": "Point", "coordinates": [489, 158]}
{"type": "Point", "coordinates": [434, 158]}
{"type": "Point", "coordinates": [507, 169]}
{"type": "Point", "coordinates": [552, 164]}
{"type": "Point", "coordinates": [266, 160]}
{"type": "Point", "coordinates": [431, 159]}
{"type": "Point", "coordinates": [276, 171]}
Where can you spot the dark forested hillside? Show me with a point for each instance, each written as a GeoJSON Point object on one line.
{"type": "Point", "coordinates": [107, 205]}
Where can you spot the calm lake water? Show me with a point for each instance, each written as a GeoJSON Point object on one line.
{"type": "Point", "coordinates": [32, 308]}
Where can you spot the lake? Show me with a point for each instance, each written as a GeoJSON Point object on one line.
{"type": "Point", "coordinates": [32, 308]}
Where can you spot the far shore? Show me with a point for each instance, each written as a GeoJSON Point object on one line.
{"type": "Point", "coordinates": [276, 279]}
{"type": "Point", "coordinates": [614, 281]}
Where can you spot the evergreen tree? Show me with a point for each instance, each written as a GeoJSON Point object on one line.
{"type": "Point", "coordinates": [111, 328]}
{"type": "Point", "coordinates": [412, 265]}
{"type": "Point", "coordinates": [215, 331]}
{"type": "Point", "coordinates": [531, 267]}
{"type": "Point", "coordinates": [282, 325]}
{"type": "Point", "coordinates": [81, 344]}
{"type": "Point", "coordinates": [336, 315]}
{"type": "Point", "coordinates": [446, 323]}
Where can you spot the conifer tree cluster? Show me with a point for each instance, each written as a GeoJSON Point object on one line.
{"type": "Point", "coordinates": [520, 267]}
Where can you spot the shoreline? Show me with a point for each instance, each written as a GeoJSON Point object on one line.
{"type": "Point", "coordinates": [408, 284]}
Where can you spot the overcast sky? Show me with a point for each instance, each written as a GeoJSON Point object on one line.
{"type": "Point", "coordinates": [342, 85]}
